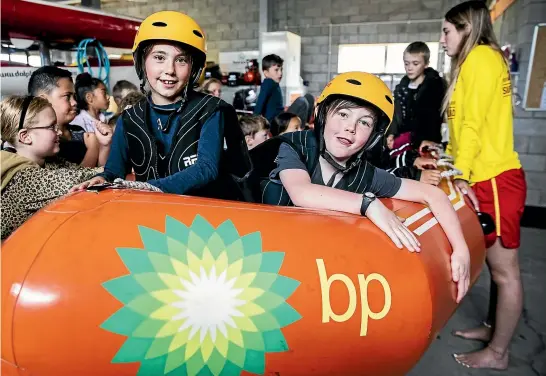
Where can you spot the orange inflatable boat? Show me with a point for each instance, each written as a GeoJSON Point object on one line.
{"type": "Point", "coordinates": [122, 283]}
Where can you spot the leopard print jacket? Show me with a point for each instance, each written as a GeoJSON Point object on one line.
{"type": "Point", "coordinates": [32, 188]}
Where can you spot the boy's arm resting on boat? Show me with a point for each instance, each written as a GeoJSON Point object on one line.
{"type": "Point", "coordinates": [297, 182]}
{"type": "Point", "coordinates": [306, 194]}
{"type": "Point", "coordinates": [441, 207]}
{"type": "Point", "coordinates": [206, 167]}
{"type": "Point", "coordinates": [439, 204]}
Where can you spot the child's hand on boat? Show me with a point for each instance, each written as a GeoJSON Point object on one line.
{"type": "Point", "coordinates": [460, 271]}
{"type": "Point", "coordinates": [432, 177]}
{"type": "Point", "coordinates": [423, 163]}
{"type": "Point", "coordinates": [83, 186]}
{"type": "Point", "coordinates": [391, 225]}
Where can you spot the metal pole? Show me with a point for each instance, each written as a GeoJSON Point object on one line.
{"type": "Point", "coordinates": [263, 25]}
{"type": "Point", "coordinates": [45, 55]}
{"type": "Point", "coordinates": [441, 55]}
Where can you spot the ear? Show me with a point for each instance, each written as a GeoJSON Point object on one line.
{"type": "Point", "coordinates": [249, 140]}
{"type": "Point", "coordinates": [24, 137]}
{"type": "Point", "coordinates": [89, 97]}
{"type": "Point", "coordinates": [43, 95]}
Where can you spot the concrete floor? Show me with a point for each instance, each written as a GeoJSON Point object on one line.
{"type": "Point", "coordinates": [528, 352]}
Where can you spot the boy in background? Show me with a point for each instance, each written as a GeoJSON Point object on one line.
{"type": "Point", "coordinates": [76, 146]}
{"type": "Point", "coordinates": [418, 101]}
{"type": "Point", "coordinates": [256, 130]}
{"type": "Point", "coordinates": [121, 89]}
{"type": "Point", "coordinates": [270, 102]}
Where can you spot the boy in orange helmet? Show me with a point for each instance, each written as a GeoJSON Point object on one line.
{"type": "Point", "coordinates": [325, 168]}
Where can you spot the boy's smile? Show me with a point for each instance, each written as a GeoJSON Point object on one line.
{"type": "Point", "coordinates": [62, 100]}
{"type": "Point", "coordinates": [168, 70]}
{"type": "Point", "coordinates": [345, 141]}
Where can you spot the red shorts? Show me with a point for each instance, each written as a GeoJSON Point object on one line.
{"type": "Point", "coordinates": [503, 198]}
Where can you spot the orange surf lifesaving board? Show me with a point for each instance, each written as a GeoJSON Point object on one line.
{"type": "Point", "coordinates": [138, 283]}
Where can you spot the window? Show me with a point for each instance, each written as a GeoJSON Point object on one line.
{"type": "Point", "coordinates": [19, 57]}
{"type": "Point", "coordinates": [379, 58]}
{"type": "Point", "coordinates": [34, 60]}
{"type": "Point", "coordinates": [362, 57]}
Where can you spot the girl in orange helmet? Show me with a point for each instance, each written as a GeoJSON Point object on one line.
{"type": "Point", "coordinates": [326, 168]}
{"type": "Point", "coordinates": [173, 139]}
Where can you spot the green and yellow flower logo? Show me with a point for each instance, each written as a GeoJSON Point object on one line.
{"type": "Point", "coordinates": [200, 301]}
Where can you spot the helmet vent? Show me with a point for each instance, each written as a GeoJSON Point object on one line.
{"type": "Point", "coordinates": [160, 24]}
{"type": "Point", "coordinates": [196, 32]}
{"type": "Point", "coordinates": [354, 82]}
{"type": "Point", "coordinates": [388, 99]}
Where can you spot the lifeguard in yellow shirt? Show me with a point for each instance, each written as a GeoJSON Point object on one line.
{"type": "Point", "coordinates": [479, 112]}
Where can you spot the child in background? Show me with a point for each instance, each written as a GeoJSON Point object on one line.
{"type": "Point", "coordinates": [212, 86]}
{"type": "Point", "coordinates": [270, 102]}
{"type": "Point", "coordinates": [31, 175]}
{"type": "Point", "coordinates": [285, 122]}
{"type": "Point", "coordinates": [92, 99]}
{"type": "Point", "coordinates": [127, 102]}
{"type": "Point", "coordinates": [76, 145]}
{"type": "Point", "coordinates": [173, 139]}
{"type": "Point", "coordinates": [418, 102]}
{"type": "Point", "coordinates": [408, 165]}
{"type": "Point", "coordinates": [256, 130]}
{"type": "Point", "coordinates": [121, 89]}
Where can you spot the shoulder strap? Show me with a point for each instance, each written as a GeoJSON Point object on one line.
{"type": "Point", "coordinates": [305, 144]}
{"type": "Point", "coordinates": [136, 113]}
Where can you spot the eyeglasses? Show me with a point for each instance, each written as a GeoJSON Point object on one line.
{"type": "Point", "coordinates": [55, 128]}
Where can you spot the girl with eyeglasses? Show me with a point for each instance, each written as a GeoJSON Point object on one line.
{"type": "Point", "coordinates": [31, 174]}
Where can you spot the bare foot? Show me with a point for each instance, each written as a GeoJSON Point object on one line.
{"type": "Point", "coordinates": [482, 333]}
{"type": "Point", "coordinates": [486, 358]}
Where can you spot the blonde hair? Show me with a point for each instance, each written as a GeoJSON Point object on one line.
{"type": "Point", "coordinates": [10, 115]}
{"type": "Point", "coordinates": [208, 82]}
{"type": "Point", "coordinates": [471, 18]}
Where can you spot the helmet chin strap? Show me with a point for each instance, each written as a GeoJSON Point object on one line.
{"type": "Point", "coordinates": [355, 160]}
{"type": "Point", "coordinates": [328, 158]}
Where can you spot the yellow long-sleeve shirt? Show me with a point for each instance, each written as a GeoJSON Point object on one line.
{"type": "Point", "coordinates": [481, 134]}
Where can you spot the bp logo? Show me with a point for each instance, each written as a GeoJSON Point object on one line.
{"type": "Point", "coordinates": [200, 300]}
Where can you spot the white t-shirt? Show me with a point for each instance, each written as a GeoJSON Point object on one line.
{"type": "Point", "coordinates": [86, 121]}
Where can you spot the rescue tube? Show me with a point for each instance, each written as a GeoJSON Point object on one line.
{"type": "Point", "coordinates": [139, 283]}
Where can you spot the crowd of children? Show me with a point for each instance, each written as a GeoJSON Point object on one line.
{"type": "Point", "coordinates": [365, 143]}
